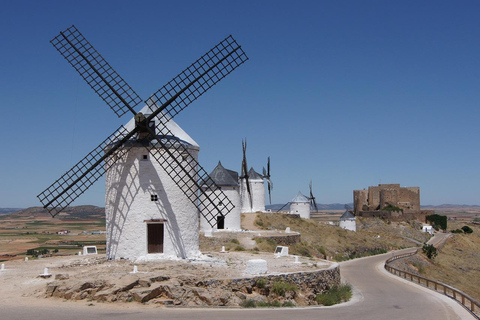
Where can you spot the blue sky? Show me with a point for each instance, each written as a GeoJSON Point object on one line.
{"type": "Point", "coordinates": [345, 93]}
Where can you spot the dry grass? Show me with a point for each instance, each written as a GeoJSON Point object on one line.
{"type": "Point", "coordinates": [327, 241]}
{"type": "Point", "coordinates": [458, 262]}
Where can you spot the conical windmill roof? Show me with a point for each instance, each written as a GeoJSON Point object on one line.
{"type": "Point", "coordinates": [252, 174]}
{"type": "Point", "coordinates": [347, 215]}
{"type": "Point", "coordinates": [224, 177]}
{"type": "Point", "coordinates": [174, 128]}
{"type": "Point", "coordinates": [300, 198]}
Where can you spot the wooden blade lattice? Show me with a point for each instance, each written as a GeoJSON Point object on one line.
{"type": "Point", "coordinates": [200, 76]}
{"type": "Point", "coordinates": [88, 62]}
{"type": "Point", "coordinates": [188, 174]}
{"type": "Point", "coordinates": [85, 173]}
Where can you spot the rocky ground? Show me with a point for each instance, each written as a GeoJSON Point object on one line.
{"type": "Point", "coordinates": [215, 279]}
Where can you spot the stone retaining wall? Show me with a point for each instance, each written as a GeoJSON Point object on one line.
{"type": "Point", "coordinates": [189, 291]}
{"type": "Point", "coordinates": [286, 240]}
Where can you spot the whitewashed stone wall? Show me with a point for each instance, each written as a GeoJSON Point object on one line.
{"type": "Point", "coordinates": [233, 219]}
{"type": "Point", "coordinates": [129, 183]}
{"type": "Point", "coordinates": [257, 189]}
{"type": "Point", "coordinates": [348, 224]}
{"type": "Point", "coordinates": [301, 208]}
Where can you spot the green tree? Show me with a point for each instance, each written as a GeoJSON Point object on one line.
{"type": "Point", "coordinates": [467, 229]}
{"type": "Point", "coordinates": [430, 251]}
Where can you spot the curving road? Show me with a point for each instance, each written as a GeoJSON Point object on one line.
{"type": "Point", "coordinates": [378, 295]}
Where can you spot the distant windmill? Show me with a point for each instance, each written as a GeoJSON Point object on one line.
{"type": "Point", "coordinates": [252, 186]}
{"type": "Point", "coordinates": [152, 173]}
{"type": "Point", "coordinates": [313, 203]}
{"type": "Point", "coordinates": [227, 182]}
{"type": "Point", "coordinates": [302, 205]}
{"type": "Point", "coordinates": [347, 220]}
{"type": "Point", "coordinates": [266, 175]}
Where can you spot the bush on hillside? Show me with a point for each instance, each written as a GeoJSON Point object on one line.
{"type": "Point", "coordinates": [438, 221]}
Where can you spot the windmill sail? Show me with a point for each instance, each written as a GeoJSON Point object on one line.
{"type": "Point", "coordinates": [164, 104]}
{"type": "Point", "coordinates": [101, 77]}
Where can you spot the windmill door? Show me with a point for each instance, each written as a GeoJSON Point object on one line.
{"type": "Point", "coordinates": [155, 233]}
{"type": "Point", "coordinates": [220, 222]}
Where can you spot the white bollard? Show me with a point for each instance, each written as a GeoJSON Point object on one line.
{"type": "Point", "coordinates": [45, 271]}
{"type": "Point", "coordinates": [287, 230]}
{"type": "Point", "coordinates": [296, 260]}
{"type": "Point", "coordinates": [223, 249]}
{"type": "Point", "coordinates": [79, 253]}
{"type": "Point", "coordinates": [135, 269]}
{"type": "Point", "coordinates": [26, 259]}
{"type": "Point", "coordinates": [3, 266]}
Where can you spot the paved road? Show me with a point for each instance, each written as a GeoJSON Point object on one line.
{"type": "Point", "coordinates": [382, 296]}
{"type": "Point", "coordinates": [439, 239]}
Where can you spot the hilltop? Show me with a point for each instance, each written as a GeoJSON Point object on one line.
{"type": "Point", "coordinates": [77, 212]}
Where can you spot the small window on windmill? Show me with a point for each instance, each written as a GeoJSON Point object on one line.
{"type": "Point", "coordinates": [154, 197]}
{"type": "Point", "coordinates": [184, 156]}
{"type": "Point", "coordinates": [220, 203]}
{"type": "Point", "coordinates": [145, 157]}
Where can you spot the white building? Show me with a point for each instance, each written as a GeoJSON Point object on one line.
{"type": "Point", "coordinates": [257, 193]}
{"type": "Point", "coordinates": [348, 221]}
{"type": "Point", "coordinates": [427, 229]}
{"type": "Point", "coordinates": [227, 181]}
{"type": "Point", "coordinates": [147, 215]}
{"type": "Point", "coordinates": [300, 205]}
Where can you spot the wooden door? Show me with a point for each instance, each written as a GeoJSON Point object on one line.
{"type": "Point", "coordinates": [155, 237]}
{"type": "Point", "coordinates": [220, 222]}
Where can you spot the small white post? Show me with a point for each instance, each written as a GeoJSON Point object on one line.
{"type": "Point", "coordinates": [296, 259]}
{"type": "Point", "coordinates": [135, 269]}
{"type": "Point", "coordinates": [3, 266]}
{"type": "Point", "coordinates": [79, 253]}
{"type": "Point", "coordinates": [287, 230]}
{"type": "Point", "coordinates": [26, 259]}
{"type": "Point", "coordinates": [223, 249]}
{"type": "Point", "coordinates": [45, 271]}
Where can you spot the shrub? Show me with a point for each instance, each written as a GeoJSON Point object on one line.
{"type": "Point", "coordinates": [437, 220]}
{"type": "Point", "coordinates": [457, 231]}
{"type": "Point", "coordinates": [248, 303]}
{"type": "Point", "coordinates": [335, 295]}
{"type": "Point", "coordinates": [467, 229]}
{"type": "Point", "coordinates": [239, 248]}
{"type": "Point", "coordinates": [281, 287]}
{"type": "Point", "coordinates": [235, 241]}
{"type": "Point", "coordinates": [261, 282]}
{"type": "Point", "coordinates": [273, 303]}
{"type": "Point", "coordinates": [430, 251]}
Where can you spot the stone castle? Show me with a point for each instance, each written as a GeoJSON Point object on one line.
{"type": "Point", "coordinates": [369, 203]}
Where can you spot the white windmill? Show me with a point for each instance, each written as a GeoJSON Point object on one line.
{"type": "Point", "coordinates": [252, 186]}
{"type": "Point", "coordinates": [300, 205]}
{"type": "Point", "coordinates": [227, 182]}
{"type": "Point", "coordinates": [348, 220]}
{"type": "Point", "coordinates": [152, 173]}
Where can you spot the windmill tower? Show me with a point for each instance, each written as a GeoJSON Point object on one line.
{"type": "Point", "coordinates": [152, 173]}
{"type": "Point", "coordinates": [227, 182]}
{"type": "Point", "coordinates": [300, 205]}
{"type": "Point", "coordinates": [252, 186]}
{"type": "Point", "coordinates": [347, 220]}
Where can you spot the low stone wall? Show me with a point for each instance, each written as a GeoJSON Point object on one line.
{"type": "Point", "coordinates": [286, 240]}
{"type": "Point", "coordinates": [188, 291]}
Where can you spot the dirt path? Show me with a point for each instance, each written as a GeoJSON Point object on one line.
{"type": "Point", "coordinates": [248, 221]}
